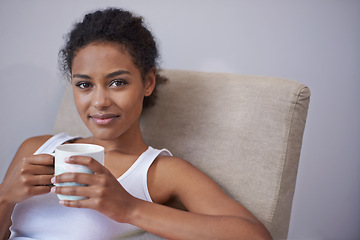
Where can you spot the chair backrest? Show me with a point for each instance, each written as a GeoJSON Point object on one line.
{"type": "Point", "coordinates": [245, 132]}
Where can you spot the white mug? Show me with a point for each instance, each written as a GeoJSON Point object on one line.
{"type": "Point", "coordinates": [75, 149]}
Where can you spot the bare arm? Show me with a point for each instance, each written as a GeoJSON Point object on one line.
{"type": "Point", "coordinates": [212, 214]}
{"type": "Point", "coordinates": [5, 215]}
{"type": "Point", "coordinates": [176, 224]}
{"type": "Point", "coordinates": [26, 177]}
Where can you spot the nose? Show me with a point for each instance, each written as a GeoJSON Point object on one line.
{"type": "Point", "coordinates": [101, 99]}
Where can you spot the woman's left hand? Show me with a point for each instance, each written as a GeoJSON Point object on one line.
{"type": "Point", "coordinates": [103, 192]}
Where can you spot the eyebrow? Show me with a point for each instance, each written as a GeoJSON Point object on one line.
{"type": "Point", "coordinates": [117, 73]}
{"type": "Point", "coordinates": [110, 75]}
{"type": "Point", "coordinates": [84, 76]}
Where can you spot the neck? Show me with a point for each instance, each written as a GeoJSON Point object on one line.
{"type": "Point", "coordinates": [131, 142]}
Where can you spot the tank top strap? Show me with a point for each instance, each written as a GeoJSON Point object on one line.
{"type": "Point", "coordinates": [149, 156]}
{"type": "Point", "coordinates": [134, 180]}
{"type": "Point", "coordinates": [49, 146]}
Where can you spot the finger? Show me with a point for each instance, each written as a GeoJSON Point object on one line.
{"type": "Point", "coordinates": [37, 169]}
{"type": "Point", "coordinates": [40, 159]}
{"type": "Point", "coordinates": [38, 190]}
{"type": "Point", "coordinates": [37, 180]}
{"type": "Point", "coordinates": [82, 178]}
{"type": "Point", "coordinates": [44, 170]}
{"type": "Point", "coordinates": [91, 163]}
{"type": "Point", "coordinates": [86, 203]}
{"type": "Point", "coordinates": [80, 191]}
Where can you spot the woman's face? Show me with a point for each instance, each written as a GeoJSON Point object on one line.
{"type": "Point", "coordinates": [108, 89]}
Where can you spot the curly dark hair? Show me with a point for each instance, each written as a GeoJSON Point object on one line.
{"type": "Point", "coordinates": [119, 26]}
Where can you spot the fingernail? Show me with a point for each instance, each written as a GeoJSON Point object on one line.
{"type": "Point", "coordinates": [53, 180]}
{"type": "Point", "coordinates": [67, 159]}
{"type": "Point", "coordinates": [53, 189]}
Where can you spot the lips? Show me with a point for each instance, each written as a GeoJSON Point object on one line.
{"type": "Point", "coordinates": [103, 119]}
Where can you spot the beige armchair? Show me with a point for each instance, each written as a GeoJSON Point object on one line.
{"type": "Point", "coordinates": [245, 132]}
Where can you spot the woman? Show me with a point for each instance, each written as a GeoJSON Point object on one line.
{"type": "Point", "coordinates": [111, 58]}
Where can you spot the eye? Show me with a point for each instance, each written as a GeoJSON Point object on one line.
{"type": "Point", "coordinates": [118, 83]}
{"type": "Point", "coordinates": [83, 85]}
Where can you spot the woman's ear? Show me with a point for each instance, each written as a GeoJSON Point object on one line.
{"type": "Point", "coordinates": [150, 82]}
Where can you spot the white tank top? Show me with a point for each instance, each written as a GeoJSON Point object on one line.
{"type": "Point", "coordinates": [42, 217]}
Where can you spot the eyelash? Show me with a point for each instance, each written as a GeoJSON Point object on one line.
{"type": "Point", "coordinates": [85, 85]}
{"type": "Point", "coordinates": [119, 82]}
{"type": "Point", "coordinates": [81, 85]}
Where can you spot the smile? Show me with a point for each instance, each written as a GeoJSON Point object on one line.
{"type": "Point", "coordinates": [103, 119]}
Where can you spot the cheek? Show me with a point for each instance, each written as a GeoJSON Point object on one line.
{"type": "Point", "coordinates": [131, 102]}
{"type": "Point", "coordinates": [81, 103]}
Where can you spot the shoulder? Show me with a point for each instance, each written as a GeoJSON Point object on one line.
{"type": "Point", "coordinates": [27, 148]}
{"type": "Point", "coordinates": [33, 143]}
{"type": "Point", "coordinates": [172, 166]}
{"type": "Point", "coordinates": [169, 177]}
{"type": "Point", "coordinates": [165, 160]}
{"type": "Point", "coordinates": [179, 180]}
{"type": "Point", "coordinates": [30, 145]}
{"type": "Point", "coordinates": [37, 139]}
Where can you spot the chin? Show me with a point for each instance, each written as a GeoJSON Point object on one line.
{"type": "Point", "coordinates": [104, 134]}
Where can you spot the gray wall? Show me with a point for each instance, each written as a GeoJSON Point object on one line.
{"type": "Point", "coordinates": [315, 42]}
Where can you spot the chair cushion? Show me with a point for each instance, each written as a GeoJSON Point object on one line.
{"type": "Point", "coordinates": [243, 131]}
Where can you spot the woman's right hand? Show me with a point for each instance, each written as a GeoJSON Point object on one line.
{"type": "Point", "coordinates": [29, 177]}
